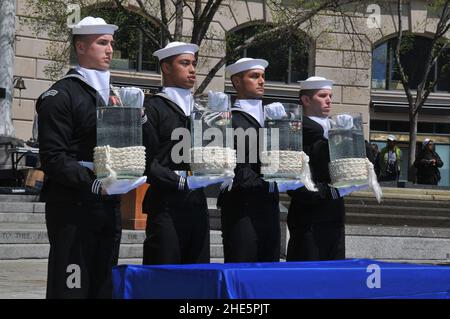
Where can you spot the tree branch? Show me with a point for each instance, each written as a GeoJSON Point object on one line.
{"type": "Point", "coordinates": [178, 34]}
{"type": "Point", "coordinates": [161, 24]}
{"type": "Point", "coordinates": [206, 19]}
{"type": "Point", "coordinates": [291, 24]}
{"type": "Point", "coordinates": [211, 75]}
{"type": "Point", "coordinates": [403, 77]}
{"type": "Point", "coordinates": [154, 40]}
{"type": "Point", "coordinates": [196, 15]}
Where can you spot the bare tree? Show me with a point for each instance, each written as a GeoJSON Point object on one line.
{"type": "Point", "coordinates": [437, 46]}
{"type": "Point", "coordinates": [289, 21]}
{"type": "Point", "coordinates": [203, 12]}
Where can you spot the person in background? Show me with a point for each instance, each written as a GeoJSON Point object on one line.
{"type": "Point", "coordinates": [390, 160]}
{"type": "Point", "coordinates": [428, 163]}
{"type": "Point", "coordinates": [375, 158]}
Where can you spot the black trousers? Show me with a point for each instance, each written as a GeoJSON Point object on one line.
{"type": "Point", "coordinates": [316, 229]}
{"type": "Point", "coordinates": [251, 231]}
{"type": "Point", "coordinates": [84, 246]}
{"type": "Point", "coordinates": [317, 241]}
{"type": "Point", "coordinates": [177, 233]}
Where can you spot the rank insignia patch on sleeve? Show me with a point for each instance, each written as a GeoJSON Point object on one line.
{"type": "Point", "coordinates": [49, 93]}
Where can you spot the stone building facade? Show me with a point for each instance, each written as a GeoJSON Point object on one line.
{"type": "Point", "coordinates": [334, 53]}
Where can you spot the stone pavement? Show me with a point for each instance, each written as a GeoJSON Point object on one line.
{"type": "Point", "coordinates": [26, 278]}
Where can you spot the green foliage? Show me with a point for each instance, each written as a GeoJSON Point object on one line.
{"type": "Point", "coordinates": [50, 17]}
{"type": "Point", "coordinates": [272, 47]}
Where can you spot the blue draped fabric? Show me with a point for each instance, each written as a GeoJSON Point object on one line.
{"type": "Point", "coordinates": [352, 278]}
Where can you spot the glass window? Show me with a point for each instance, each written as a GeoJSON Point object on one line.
{"type": "Point", "coordinates": [423, 127]}
{"type": "Point", "coordinates": [399, 126]}
{"type": "Point", "coordinates": [413, 53]}
{"type": "Point", "coordinates": [443, 65]}
{"type": "Point", "coordinates": [378, 125]}
{"type": "Point", "coordinates": [444, 153]}
{"type": "Point", "coordinates": [412, 50]}
{"type": "Point", "coordinates": [287, 56]}
{"type": "Point", "coordinates": [443, 128]}
{"type": "Point", "coordinates": [379, 66]}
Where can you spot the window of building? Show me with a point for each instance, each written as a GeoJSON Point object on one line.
{"type": "Point", "coordinates": [399, 126]}
{"type": "Point", "coordinates": [426, 127]}
{"type": "Point", "coordinates": [414, 50]}
{"type": "Point", "coordinates": [288, 56]}
{"type": "Point", "coordinates": [403, 127]}
{"type": "Point", "coordinates": [132, 49]}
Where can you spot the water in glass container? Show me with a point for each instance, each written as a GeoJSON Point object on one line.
{"type": "Point", "coordinates": [119, 127]}
{"type": "Point", "coordinates": [281, 158]}
{"type": "Point", "coordinates": [347, 148]}
{"type": "Point", "coordinates": [211, 152]}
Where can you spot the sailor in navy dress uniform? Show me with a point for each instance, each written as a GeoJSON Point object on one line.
{"type": "Point", "coordinates": [177, 230]}
{"type": "Point", "coordinates": [250, 210]}
{"type": "Point", "coordinates": [316, 220]}
{"type": "Point", "coordinates": [83, 221]}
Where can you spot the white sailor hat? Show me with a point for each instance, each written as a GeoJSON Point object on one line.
{"type": "Point", "coordinates": [316, 83]}
{"type": "Point", "coordinates": [176, 48]}
{"type": "Point", "coordinates": [245, 64]}
{"type": "Point", "coordinates": [91, 25]}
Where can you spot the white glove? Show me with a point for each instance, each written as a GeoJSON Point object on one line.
{"type": "Point", "coordinates": [131, 96]}
{"type": "Point", "coordinates": [288, 185]}
{"type": "Point", "coordinates": [227, 183]}
{"type": "Point", "coordinates": [195, 182]}
{"type": "Point", "coordinates": [344, 121]}
{"type": "Point", "coordinates": [343, 191]}
{"type": "Point", "coordinates": [123, 186]}
{"type": "Point", "coordinates": [218, 101]}
{"type": "Point", "coordinates": [275, 111]}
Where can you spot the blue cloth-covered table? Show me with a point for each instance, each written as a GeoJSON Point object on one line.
{"type": "Point", "coordinates": [355, 278]}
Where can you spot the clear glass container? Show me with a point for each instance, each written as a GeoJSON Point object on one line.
{"type": "Point", "coordinates": [283, 143]}
{"type": "Point", "coordinates": [211, 152]}
{"type": "Point", "coordinates": [119, 126]}
{"type": "Point", "coordinates": [347, 150]}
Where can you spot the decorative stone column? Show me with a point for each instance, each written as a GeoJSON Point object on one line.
{"type": "Point", "coordinates": [7, 30]}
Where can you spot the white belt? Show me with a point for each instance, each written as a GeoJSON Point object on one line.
{"type": "Point", "coordinates": [89, 165]}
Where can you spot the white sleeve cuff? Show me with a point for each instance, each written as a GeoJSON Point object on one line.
{"type": "Point", "coordinates": [271, 187]}
{"type": "Point", "coordinates": [181, 183]}
{"type": "Point", "coordinates": [96, 187]}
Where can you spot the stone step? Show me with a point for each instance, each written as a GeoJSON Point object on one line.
{"type": "Point", "coordinates": [24, 251]}
{"type": "Point", "coordinates": [408, 244]}
{"type": "Point", "coordinates": [28, 218]}
{"type": "Point", "coordinates": [406, 195]}
{"type": "Point", "coordinates": [18, 198]}
{"type": "Point", "coordinates": [22, 207]}
{"type": "Point", "coordinates": [395, 215]}
{"type": "Point", "coordinates": [397, 231]}
{"type": "Point", "coordinates": [398, 248]}
{"type": "Point", "coordinates": [40, 251]}
{"type": "Point", "coordinates": [36, 234]}
{"type": "Point", "coordinates": [399, 210]}
{"type": "Point", "coordinates": [418, 190]}
{"type": "Point", "coordinates": [396, 202]}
